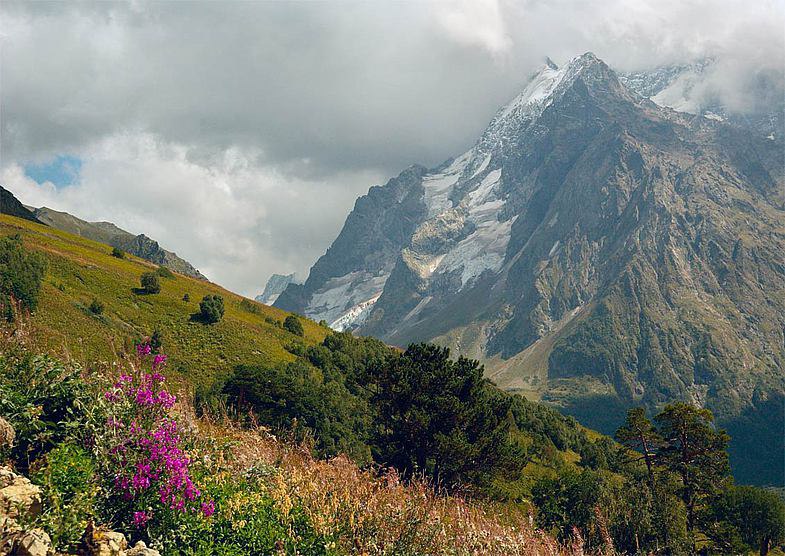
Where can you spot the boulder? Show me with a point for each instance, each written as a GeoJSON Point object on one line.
{"type": "Point", "coordinates": [18, 496]}
{"type": "Point", "coordinates": [140, 549]}
{"type": "Point", "coordinates": [106, 543]}
{"type": "Point", "coordinates": [33, 543]}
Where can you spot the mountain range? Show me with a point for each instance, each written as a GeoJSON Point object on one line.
{"type": "Point", "coordinates": [594, 249]}
{"type": "Point", "coordinates": [105, 232]}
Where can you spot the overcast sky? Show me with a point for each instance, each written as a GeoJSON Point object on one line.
{"type": "Point", "coordinates": [240, 134]}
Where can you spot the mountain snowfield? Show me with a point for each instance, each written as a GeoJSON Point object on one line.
{"type": "Point", "coordinates": [593, 249]}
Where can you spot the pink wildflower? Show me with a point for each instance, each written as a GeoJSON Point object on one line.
{"type": "Point", "coordinates": [208, 508]}
{"type": "Point", "coordinates": [140, 519]}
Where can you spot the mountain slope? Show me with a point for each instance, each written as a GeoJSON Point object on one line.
{"type": "Point", "coordinates": [593, 249]}
{"type": "Point", "coordinates": [11, 205]}
{"type": "Point", "coordinates": [80, 270]}
{"type": "Point", "coordinates": [106, 232]}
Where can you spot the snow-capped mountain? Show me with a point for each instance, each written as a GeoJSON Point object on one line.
{"type": "Point", "coordinates": [275, 286]}
{"type": "Point", "coordinates": [691, 88]}
{"type": "Point", "coordinates": [593, 249]}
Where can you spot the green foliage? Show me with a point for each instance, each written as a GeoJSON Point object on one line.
{"type": "Point", "coordinates": [747, 518]}
{"type": "Point", "coordinates": [118, 253]}
{"type": "Point", "coordinates": [96, 307]}
{"type": "Point", "coordinates": [252, 523]}
{"type": "Point", "coordinates": [694, 451]}
{"type": "Point", "coordinates": [308, 401]}
{"type": "Point", "coordinates": [164, 272]}
{"type": "Point", "coordinates": [440, 417]}
{"type": "Point", "coordinates": [46, 403]}
{"type": "Point", "coordinates": [186, 297]}
{"type": "Point", "coordinates": [293, 325]}
{"type": "Point", "coordinates": [67, 477]}
{"type": "Point", "coordinates": [569, 500]}
{"type": "Point", "coordinates": [21, 275]}
{"type": "Point", "coordinates": [250, 307]}
{"type": "Point", "coordinates": [150, 283]}
{"type": "Point", "coordinates": [156, 341]}
{"type": "Point", "coordinates": [211, 308]}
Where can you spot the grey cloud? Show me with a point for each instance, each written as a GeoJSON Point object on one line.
{"type": "Point", "coordinates": [321, 100]}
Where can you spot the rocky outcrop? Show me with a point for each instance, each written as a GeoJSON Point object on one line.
{"type": "Point", "coordinates": [10, 205]}
{"type": "Point", "coordinates": [7, 435]}
{"type": "Point", "coordinates": [105, 232]}
{"type": "Point", "coordinates": [100, 542]}
{"type": "Point", "coordinates": [20, 502]}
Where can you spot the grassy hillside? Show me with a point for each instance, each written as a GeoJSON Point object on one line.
{"type": "Point", "coordinates": [81, 270]}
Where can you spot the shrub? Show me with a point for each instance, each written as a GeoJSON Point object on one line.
{"type": "Point", "coordinates": [249, 306]}
{"type": "Point", "coordinates": [67, 477]}
{"type": "Point", "coordinates": [211, 308]}
{"type": "Point", "coordinates": [144, 465]}
{"type": "Point", "coordinates": [96, 307]}
{"type": "Point", "coordinates": [21, 273]}
{"type": "Point", "coordinates": [150, 282]}
{"type": "Point", "coordinates": [164, 272]}
{"type": "Point", "coordinates": [156, 341]}
{"type": "Point", "coordinates": [293, 325]}
{"type": "Point", "coordinates": [118, 253]}
{"type": "Point", "coordinates": [46, 403]}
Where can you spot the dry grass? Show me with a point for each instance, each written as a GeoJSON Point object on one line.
{"type": "Point", "coordinates": [372, 513]}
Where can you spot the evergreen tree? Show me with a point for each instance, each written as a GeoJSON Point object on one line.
{"type": "Point", "coordinates": [696, 452]}
{"type": "Point", "coordinates": [440, 417]}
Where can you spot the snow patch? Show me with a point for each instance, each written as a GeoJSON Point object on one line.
{"type": "Point", "coordinates": [713, 116]}
{"type": "Point", "coordinates": [356, 315]}
{"type": "Point", "coordinates": [342, 295]}
{"type": "Point", "coordinates": [479, 195]}
{"type": "Point", "coordinates": [483, 250]}
{"type": "Point", "coordinates": [554, 248]}
{"type": "Point", "coordinates": [482, 167]}
{"type": "Point", "coordinates": [438, 186]}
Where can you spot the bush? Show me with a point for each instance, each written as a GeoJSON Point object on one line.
{"type": "Point", "coordinates": [96, 307]}
{"type": "Point", "coordinates": [211, 308]}
{"type": "Point", "coordinates": [156, 341]}
{"type": "Point", "coordinates": [164, 272]}
{"type": "Point", "coordinates": [118, 253]}
{"type": "Point", "coordinates": [67, 478]}
{"type": "Point", "coordinates": [46, 403]}
{"type": "Point", "coordinates": [21, 274]}
{"type": "Point", "coordinates": [293, 325]}
{"type": "Point", "coordinates": [150, 282]}
{"type": "Point", "coordinates": [249, 306]}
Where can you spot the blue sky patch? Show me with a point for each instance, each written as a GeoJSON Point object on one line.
{"type": "Point", "coordinates": [62, 171]}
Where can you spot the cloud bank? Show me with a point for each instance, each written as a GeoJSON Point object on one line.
{"type": "Point", "coordinates": [239, 134]}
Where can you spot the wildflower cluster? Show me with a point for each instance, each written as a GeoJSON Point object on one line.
{"type": "Point", "coordinates": [146, 463]}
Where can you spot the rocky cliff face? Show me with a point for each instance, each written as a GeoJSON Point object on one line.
{"type": "Point", "coordinates": [105, 232]}
{"type": "Point", "coordinates": [11, 205]}
{"type": "Point", "coordinates": [593, 248]}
